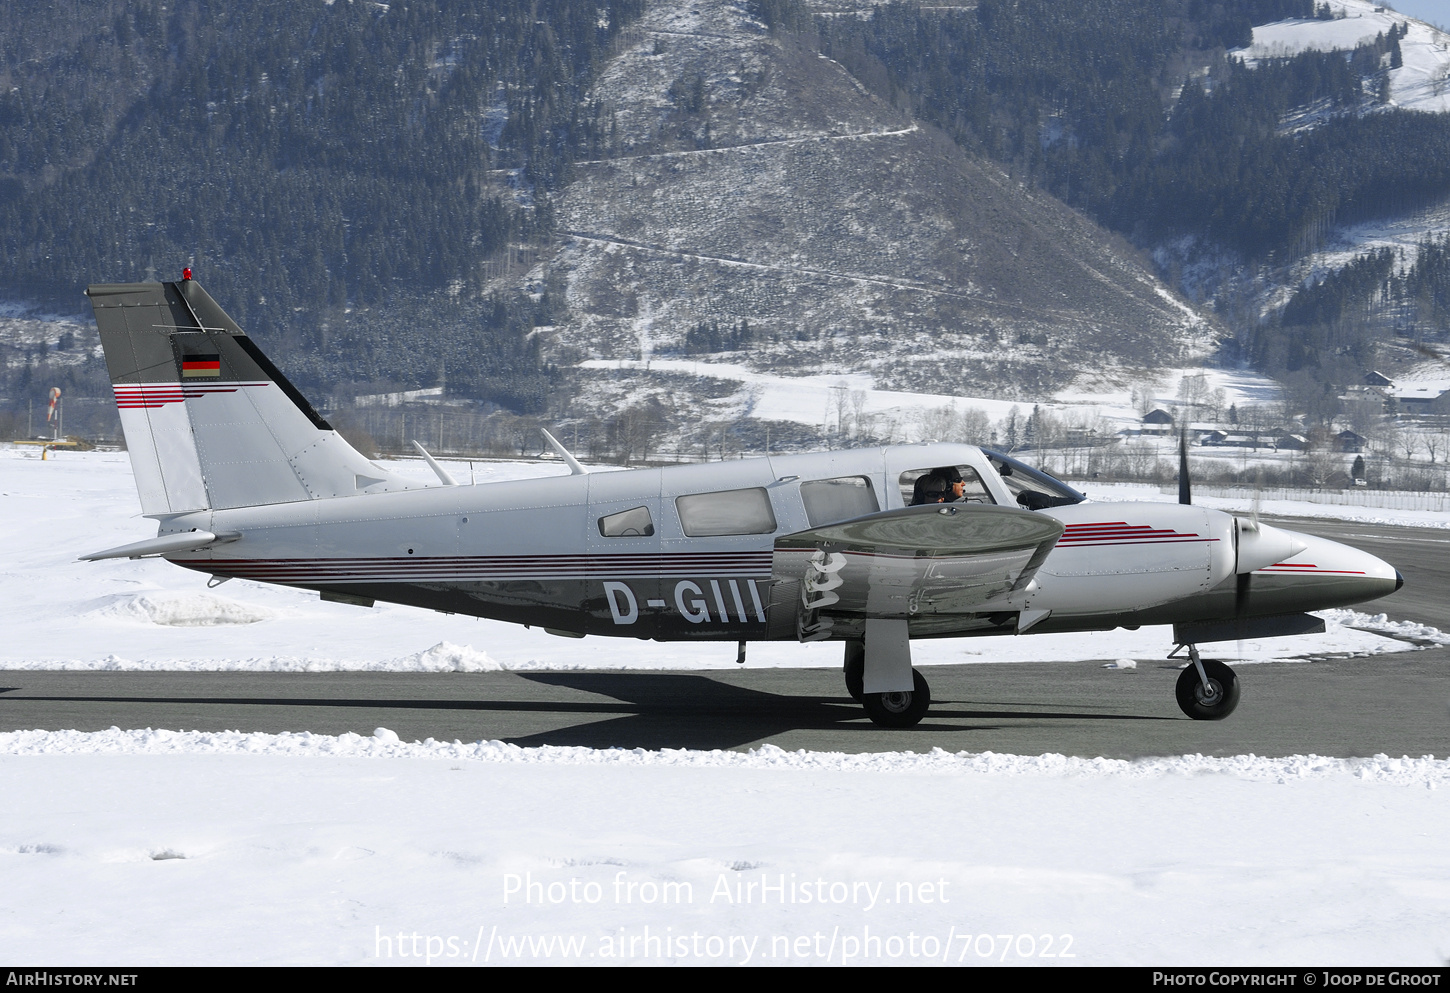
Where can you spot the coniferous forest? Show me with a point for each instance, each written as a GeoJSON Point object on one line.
{"type": "Point", "coordinates": [312, 162]}
{"type": "Point", "coordinates": [1132, 111]}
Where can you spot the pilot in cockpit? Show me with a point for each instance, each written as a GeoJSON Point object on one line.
{"type": "Point", "coordinates": [941, 485]}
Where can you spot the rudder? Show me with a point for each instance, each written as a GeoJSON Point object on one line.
{"type": "Point", "coordinates": [209, 421]}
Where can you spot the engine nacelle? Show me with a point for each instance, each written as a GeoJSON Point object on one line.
{"type": "Point", "coordinates": [1126, 556]}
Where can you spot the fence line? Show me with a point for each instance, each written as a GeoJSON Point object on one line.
{"type": "Point", "coordinates": [1359, 497]}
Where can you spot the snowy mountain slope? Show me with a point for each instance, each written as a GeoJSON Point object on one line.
{"type": "Point", "coordinates": [1421, 83]}
{"type": "Point", "coordinates": [849, 238]}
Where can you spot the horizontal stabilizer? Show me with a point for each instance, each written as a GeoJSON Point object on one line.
{"type": "Point", "coordinates": [185, 541]}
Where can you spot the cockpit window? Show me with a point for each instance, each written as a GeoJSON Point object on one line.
{"type": "Point", "coordinates": [633, 523]}
{"type": "Point", "coordinates": [943, 484]}
{"type": "Point", "coordinates": [1032, 488]}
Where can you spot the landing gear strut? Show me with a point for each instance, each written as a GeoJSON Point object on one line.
{"type": "Point", "coordinates": [883, 659]}
{"type": "Point", "coordinates": [1207, 690]}
{"type": "Point", "coordinates": [855, 668]}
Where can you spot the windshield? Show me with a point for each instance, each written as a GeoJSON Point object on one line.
{"type": "Point", "coordinates": [1032, 488]}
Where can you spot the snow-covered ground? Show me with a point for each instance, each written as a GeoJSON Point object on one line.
{"type": "Point", "coordinates": [819, 400]}
{"type": "Point", "coordinates": [1203, 496]}
{"type": "Point", "coordinates": [162, 848]}
{"type": "Point", "coordinates": [166, 847]}
{"type": "Point", "coordinates": [1404, 234]}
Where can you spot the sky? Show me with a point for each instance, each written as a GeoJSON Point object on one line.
{"type": "Point", "coordinates": [1437, 12]}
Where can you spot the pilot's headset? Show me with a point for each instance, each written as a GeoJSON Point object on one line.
{"type": "Point", "coordinates": [934, 488]}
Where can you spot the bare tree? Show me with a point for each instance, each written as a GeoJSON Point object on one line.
{"type": "Point", "coordinates": [938, 423]}
{"type": "Point", "coordinates": [1408, 442]}
{"type": "Point", "coordinates": [859, 421]}
{"type": "Point", "coordinates": [1193, 393]}
{"type": "Point", "coordinates": [973, 426]}
{"type": "Point", "coordinates": [1144, 395]}
{"type": "Point", "coordinates": [841, 401]}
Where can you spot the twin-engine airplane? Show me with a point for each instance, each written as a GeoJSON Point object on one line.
{"type": "Point", "coordinates": [870, 548]}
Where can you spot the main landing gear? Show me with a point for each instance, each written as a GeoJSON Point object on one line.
{"type": "Point", "coordinates": [1207, 690]}
{"type": "Point", "coordinates": [897, 708]}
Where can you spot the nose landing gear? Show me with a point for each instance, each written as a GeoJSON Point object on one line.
{"type": "Point", "coordinates": [1206, 690]}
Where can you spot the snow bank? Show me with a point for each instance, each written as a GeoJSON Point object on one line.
{"type": "Point", "coordinates": [384, 743]}
{"type": "Point", "coordinates": [182, 611]}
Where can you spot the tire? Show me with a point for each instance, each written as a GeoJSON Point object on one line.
{"type": "Point", "coordinates": [1201, 707]}
{"type": "Point", "coordinates": [855, 668]}
{"type": "Point", "coordinates": [899, 710]}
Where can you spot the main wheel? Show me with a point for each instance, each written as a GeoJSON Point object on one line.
{"type": "Point", "coordinates": [899, 710]}
{"type": "Point", "coordinates": [1211, 703]}
{"type": "Point", "coordinates": [855, 668]}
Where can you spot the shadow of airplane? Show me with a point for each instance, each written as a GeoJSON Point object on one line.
{"type": "Point", "coordinates": [688, 711]}
{"type": "Point", "coordinates": [650, 710]}
{"type": "Point", "coordinates": [677, 710]}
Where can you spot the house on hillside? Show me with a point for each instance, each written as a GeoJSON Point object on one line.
{"type": "Point", "coordinates": [1286, 442]}
{"type": "Point", "coordinates": [1348, 441]}
{"type": "Point", "coordinates": [1238, 439]}
{"type": "Point", "coordinates": [1157, 421]}
{"type": "Point", "coordinates": [1430, 396]}
{"type": "Point", "coordinates": [1078, 435]}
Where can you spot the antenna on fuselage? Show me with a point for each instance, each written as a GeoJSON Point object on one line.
{"type": "Point", "coordinates": [575, 469]}
{"type": "Point", "coordinates": [441, 472]}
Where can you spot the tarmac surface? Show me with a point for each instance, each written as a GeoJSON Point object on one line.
{"type": "Point", "coordinates": [1395, 704]}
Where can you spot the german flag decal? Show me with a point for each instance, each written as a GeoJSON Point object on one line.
{"type": "Point", "coordinates": [201, 366]}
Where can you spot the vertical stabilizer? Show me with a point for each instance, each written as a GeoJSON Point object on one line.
{"type": "Point", "coordinates": [209, 421]}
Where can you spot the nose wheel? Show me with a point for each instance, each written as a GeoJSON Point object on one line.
{"type": "Point", "coordinates": [1207, 690]}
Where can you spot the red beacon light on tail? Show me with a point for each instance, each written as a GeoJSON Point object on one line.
{"type": "Point", "coordinates": [186, 273]}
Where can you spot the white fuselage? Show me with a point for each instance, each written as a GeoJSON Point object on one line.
{"type": "Point", "coordinates": [540, 551]}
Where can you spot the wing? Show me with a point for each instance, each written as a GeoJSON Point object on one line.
{"type": "Point", "coordinates": [907, 563]}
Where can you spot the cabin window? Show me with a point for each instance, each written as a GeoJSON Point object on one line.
{"type": "Point", "coordinates": [633, 523]}
{"type": "Point", "coordinates": [706, 515]}
{"type": "Point", "coordinates": [841, 499]}
{"type": "Point", "coordinates": [941, 485]}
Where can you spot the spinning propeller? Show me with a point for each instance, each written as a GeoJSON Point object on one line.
{"type": "Point", "coordinates": [1255, 545]}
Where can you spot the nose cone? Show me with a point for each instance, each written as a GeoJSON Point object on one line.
{"type": "Point", "coordinates": [1324, 574]}
{"type": "Point", "coordinates": [1260, 545]}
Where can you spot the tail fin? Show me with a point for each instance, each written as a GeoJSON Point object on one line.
{"type": "Point", "coordinates": [209, 421]}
